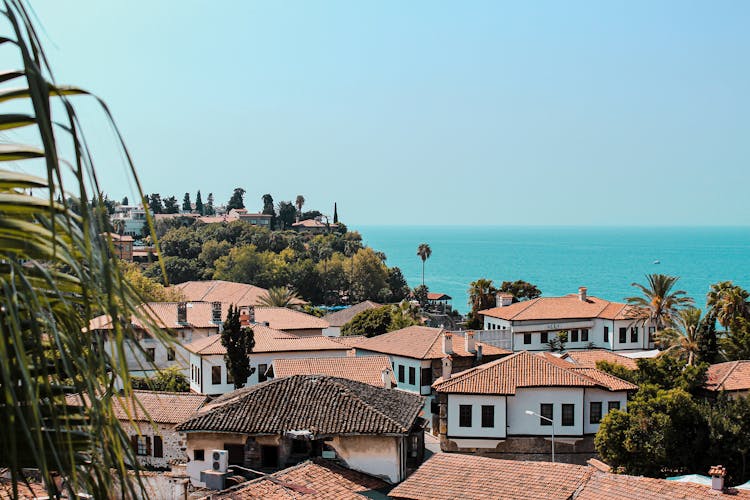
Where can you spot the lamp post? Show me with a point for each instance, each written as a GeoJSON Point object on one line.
{"type": "Point", "coordinates": [552, 424]}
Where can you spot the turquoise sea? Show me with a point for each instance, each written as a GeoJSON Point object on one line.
{"type": "Point", "coordinates": [560, 259]}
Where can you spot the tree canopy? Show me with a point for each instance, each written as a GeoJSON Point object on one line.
{"type": "Point", "coordinates": [239, 342]}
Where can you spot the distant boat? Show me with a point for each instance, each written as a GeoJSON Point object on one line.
{"type": "Point", "coordinates": [657, 261]}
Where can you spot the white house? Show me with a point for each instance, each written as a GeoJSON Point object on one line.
{"type": "Point", "coordinates": [289, 420]}
{"type": "Point", "coordinates": [485, 408]}
{"type": "Point", "coordinates": [185, 321]}
{"type": "Point", "coordinates": [208, 372]}
{"type": "Point", "coordinates": [589, 321]}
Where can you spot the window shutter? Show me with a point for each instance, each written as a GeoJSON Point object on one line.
{"type": "Point", "coordinates": [148, 445]}
{"type": "Point", "coordinates": [134, 442]}
{"type": "Point", "coordinates": [158, 447]}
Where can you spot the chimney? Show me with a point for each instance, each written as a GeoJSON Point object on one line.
{"type": "Point", "coordinates": [479, 352]}
{"type": "Point", "coordinates": [582, 293]}
{"type": "Point", "coordinates": [251, 314]}
{"type": "Point", "coordinates": [469, 342]}
{"type": "Point", "coordinates": [717, 473]}
{"type": "Point", "coordinates": [447, 343]}
{"type": "Point", "coordinates": [447, 367]}
{"type": "Point", "coordinates": [385, 376]}
{"type": "Point", "coordinates": [216, 312]}
{"type": "Point", "coordinates": [181, 313]}
{"type": "Point", "coordinates": [503, 299]}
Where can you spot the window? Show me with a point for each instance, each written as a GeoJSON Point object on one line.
{"type": "Point", "coordinates": [198, 455]}
{"type": "Point", "coordinates": [216, 375]}
{"type": "Point", "coordinates": [651, 331]}
{"type": "Point", "coordinates": [545, 410]}
{"type": "Point", "coordinates": [299, 447]}
{"type": "Point", "coordinates": [574, 335]}
{"type": "Point", "coordinates": [199, 375]}
{"type": "Point", "coordinates": [464, 415]}
{"type": "Point", "coordinates": [595, 412]}
{"type": "Point", "coordinates": [192, 372]}
{"type": "Point", "coordinates": [170, 354]}
{"type": "Point", "coordinates": [158, 447]}
{"type": "Point", "coordinates": [150, 354]}
{"type": "Point", "coordinates": [613, 405]}
{"type": "Point", "coordinates": [568, 415]}
{"type": "Point", "coordinates": [426, 376]}
{"type": "Point", "coordinates": [585, 335]}
{"type": "Point", "coordinates": [606, 334]}
{"type": "Point", "coordinates": [412, 376]}
{"type": "Point", "coordinates": [544, 337]}
{"type": "Point", "coordinates": [527, 338]}
{"type": "Point", "coordinates": [141, 445]}
{"type": "Point", "coordinates": [401, 377]}
{"type": "Point", "coordinates": [634, 334]}
{"type": "Point", "coordinates": [488, 416]}
{"type": "Point", "coordinates": [262, 369]}
{"type": "Point", "coordinates": [623, 335]}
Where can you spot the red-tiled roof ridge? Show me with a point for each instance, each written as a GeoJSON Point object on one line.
{"type": "Point", "coordinates": [564, 307]}
{"type": "Point", "coordinates": [731, 367]}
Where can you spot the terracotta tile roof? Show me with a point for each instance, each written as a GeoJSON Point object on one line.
{"type": "Point", "coordinates": [312, 223]}
{"type": "Point", "coordinates": [227, 292]}
{"type": "Point", "coordinates": [320, 404]}
{"type": "Point", "coordinates": [420, 342]}
{"type": "Point", "coordinates": [164, 315]}
{"type": "Point", "coordinates": [118, 237]}
{"type": "Point", "coordinates": [365, 369]}
{"type": "Point", "coordinates": [601, 486]}
{"type": "Point", "coordinates": [349, 340]}
{"type": "Point", "coordinates": [566, 307]}
{"type": "Point", "coordinates": [730, 376]}
{"type": "Point", "coordinates": [31, 491]}
{"type": "Point", "coordinates": [451, 476]}
{"type": "Point", "coordinates": [162, 407]}
{"type": "Point", "coordinates": [589, 359]}
{"type": "Point", "coordinates": [523, 369]}
{"type": "Point", "coordinates": [438, 296]}
{"type": "Point", "coordinates": [268, 340]}
{"type": "Point", "coordinates": [605, 379]}
{"type": "Point", "coordinates": [342, 317]}
{"type": "Point", "coordinates": [282, 318]}
{"type": "Point", "coordinates": [317, 479]}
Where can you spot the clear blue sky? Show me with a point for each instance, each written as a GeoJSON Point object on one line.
{"type": "Point", "coordinates": [426, 112]}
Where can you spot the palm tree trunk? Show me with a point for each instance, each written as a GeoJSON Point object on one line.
{"type": "Point", "coordinates": [422, 272]}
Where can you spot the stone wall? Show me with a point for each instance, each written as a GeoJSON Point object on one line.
{"type": "Point", "coordinates": [173, 443]}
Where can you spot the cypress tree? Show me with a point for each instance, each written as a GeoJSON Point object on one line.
{"type": "Point", "coordinates": [335, 213]}
{"type": "Point", "coordinates": [239, 343]}
{"type": "Point", "coordinates": [186, 205]}
{"type": "Point", "coordinates": [708, 349]}
{"type": "Point", "coordinates": [199, 204]}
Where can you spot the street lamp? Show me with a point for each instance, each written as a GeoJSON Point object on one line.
{"type": "Point", "coordinates": [552, 424]}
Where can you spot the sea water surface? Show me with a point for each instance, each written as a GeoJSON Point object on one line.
{"type": "Point", "coordinates": [560, 259]}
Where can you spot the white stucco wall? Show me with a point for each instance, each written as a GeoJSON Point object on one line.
{"type": "Point", "coordinates": [603, 396]}
{"type": "Point", "coordinates": [375, 455]}
{"type": "Point", "coordinates": [332, 331]}
{"type": "Point", "coordinates": [476, 429]}
{"type": "Point", "coordinates": [531, 398]}
{"type": "Point", "coordinates": [396, 362]}
{"type": "Point", "coordinates": [256, 359]}
{"type": "Point", "coordinates": [206, 442]}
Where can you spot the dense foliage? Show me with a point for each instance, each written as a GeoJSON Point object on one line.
{"type": "Point", "coordinates": [168, 379]}
{"type": "Point", "coordinates": [381, 320]}
{"type": "Point", "coordinates": [239, 342]}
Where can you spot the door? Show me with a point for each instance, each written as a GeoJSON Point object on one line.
{"type": "Point", "coordinates": [269, 456]}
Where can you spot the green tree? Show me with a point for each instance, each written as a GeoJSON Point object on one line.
{"type": "Point", "coordinates": [55, 276]}
{"type": "Point", "coordinates": [397, 285]}
{"type": "Point", "coordinates": [682, 340]}
{"type": "Point", "coordinates": [181, 242]}
{"type": "Point", "coordinates": [178, 270]}
{"type": "Point", "coordinates": [280, 296]}
{"type": "Point", "coordinates": [237, 199]}
{"type": "Point", "coordinates": [521, 290]}
{"type": "Point", "coordinates": [728, 421]}
{"type": "Point", "coordinates": [168, 379]}
{"type": "Point", "coordinates": [663, 432]}
{"type": "Point", "coordinates": [708, 346]}
{"type": "Point", "coordinates": [299, 202]}
{"type": "Point", "coordinates": [368, 277]}
{"type": "Point", "coordinates": [209, 209]}
{"type": "Point", "coordinates": [170, 205]}
{"type": "Point", "coordinates": [199, 204]}
{"type": "Point", "coordinates": [727, 302]}
{"type": "Point", "coordinates": [335, 213]}
{"type": "Point", "coordinates": [239, 342]}
{"type": "Point", "coordinates": [369, 323]}
{"type": "Point", "coordinates": [660, 302]}
{"type": "Point", "coordinates": [148, 290]}
{"type": "Point", "coordinates": [481, 296]}
{"type": "Point", "coordinates": [154, 203]}
{"type": "Point", "coordinates": [124, 201]}
{"type": "Point", "coordinates": [403, 315]}
{"type": "Point", "coordinates": [268, 209]}
{"type": "Point", "coordinates": [186, 205]}
{"type": "Point", "coordinates": [424, 252]}
{"type": "Point", "coordinates": [736, 344]}
{"type": "Point", "coordinates": [287, 215]}
{"type": "Point", "coordinates": [420, 294]}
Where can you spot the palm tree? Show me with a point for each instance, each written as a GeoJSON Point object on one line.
{"type": "Point", "coordinates": [659, 303]}
{"type": "Point", "coordinates": [280, 296]}
{"type": "Point", "coordinates": [481, 294]}
{"type": "Point", "coordinates": [727, 302]}
{"type": "Point", "coordinates": [299, 202]}
{"type": "Point", "coordinates": [683, 340]}
{"type": "Point", "coordinates": [55, 275]}
{"type": "Point", "coordinates": [424, 251]}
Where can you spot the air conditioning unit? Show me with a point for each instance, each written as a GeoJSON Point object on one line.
{"type": "Point", "coordinates": [219, 460]}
